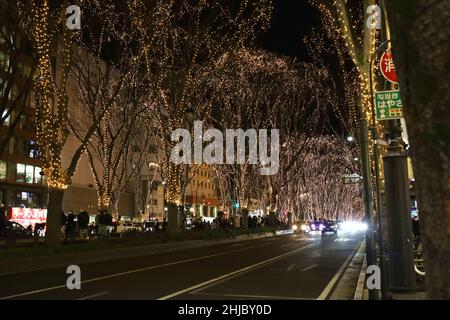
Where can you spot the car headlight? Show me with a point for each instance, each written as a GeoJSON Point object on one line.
{"type": "Point", "coordinates": [294, 227]}
{"type": "Point", "coordinates": [303, 227]}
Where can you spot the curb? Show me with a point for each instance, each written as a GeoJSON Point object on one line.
{"type": "Point", "coordinates": [359, 292]}
{"type": "Point", "coordinates": [62, 260]}
{"type": "Point", "coordinates": [348, 276]}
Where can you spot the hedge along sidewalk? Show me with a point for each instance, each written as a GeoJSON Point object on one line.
{"type": "Point", "coordinates": [42, 258]}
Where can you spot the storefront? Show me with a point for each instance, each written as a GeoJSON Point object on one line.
{"type": "Point", "coordinates": [27, 216]}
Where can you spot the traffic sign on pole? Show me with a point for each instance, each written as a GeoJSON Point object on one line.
{"type": "Point", "coordinates": [388, 105]}
{"type": "Point", "coordinates": [351, 178]}
{"type": "Point", "coordinates": [387, 66]}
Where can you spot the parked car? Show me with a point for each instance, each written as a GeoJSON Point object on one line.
{"type": "Point", "coordinates": [152, 226]}
{"type": "Point", "coordinates": [132, 226]}
{"type": "Point", "coordinates": [17, 230]}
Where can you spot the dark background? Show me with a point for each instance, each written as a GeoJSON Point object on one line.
{"type": "Point", "coordinates": [291, 21]}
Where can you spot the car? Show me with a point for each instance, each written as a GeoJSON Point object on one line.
{"type": "Point", "coordinates": [300, 227]}
{"type": "Point", "coordinates": [17, 230]}
{"type": "Point", "coordinates": [152, 226]}
{"type": "Point", "coordinates": [315, 226]}
{"type": "Point", "coordinates": [132, 226]}
{"type": "Point", "coordinates": [329, 226]}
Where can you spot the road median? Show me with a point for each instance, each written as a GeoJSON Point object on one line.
{"type": "Point", "coordinates": [43, 257]}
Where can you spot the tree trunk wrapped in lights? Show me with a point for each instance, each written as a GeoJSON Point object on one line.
{"type": "Point", "coordinates": [54, 48]}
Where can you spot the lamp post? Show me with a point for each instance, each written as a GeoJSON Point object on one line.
{"type": "Point", "coordinates": [374, 133]}
{"type": "Point", "coordinates": [401, 274]}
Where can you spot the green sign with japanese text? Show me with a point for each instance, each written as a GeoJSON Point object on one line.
{"type": "Point", "coordinates": [388, 105]}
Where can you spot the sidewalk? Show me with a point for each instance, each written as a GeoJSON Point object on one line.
{"type": "Point", "coordinates": [362, 293]}
{"type": "Point", "coordinates": [63, 260]}
{"type": "Point", "coordinates": [349, 284]}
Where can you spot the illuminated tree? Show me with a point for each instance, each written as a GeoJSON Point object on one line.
{"type": "Point", "coordinates": [191, 36]}
{"type": "Point", "coordinates": [319, 189]}
{"type": "Point", "coordinates": [262, 91]}
{"type": "Point", "coordinates": [121, 131]}
{"type": "Point", "coordinates": [348, 20]}
{"type": "Point", "coordinates": [53, 46]}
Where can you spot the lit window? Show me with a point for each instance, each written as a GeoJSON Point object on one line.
{"type": "Point", "coordinates": [20, 172]}
{"type": "Point", "coordinates": [37, 175]}
{"type": "Point", "coordinates": [29, 174]}
{"type": "Point", "coordinates": [2, 170]}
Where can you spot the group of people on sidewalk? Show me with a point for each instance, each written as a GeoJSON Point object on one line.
{"type": "Point", "coordinates": [79, 224]}
{"type": "Point", "coordinates": [222, 223]}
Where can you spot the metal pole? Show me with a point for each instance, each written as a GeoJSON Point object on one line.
{"type": "Point", "coordinates": [368, 204]}
{"type": "Point", "coordinates": [401, 256]}
{"type": "Point", "coordinates": [374, 132]}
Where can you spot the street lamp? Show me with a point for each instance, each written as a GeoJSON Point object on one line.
{"type": "Point", "coordinates": [350, 139]}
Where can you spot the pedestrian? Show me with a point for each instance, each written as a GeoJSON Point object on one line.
{"type": "Point", "coordinates": [109, 223]}
{"type": "Point", "coordinates": [63, 225]}
{"type": "Point", "coordinates": [102, 232]}
{"type": "Point", "coordinates": [97, 222]}
{"type": "Point", "coordinates": [70, 226]}
{"type": "Point", "coordinates": [119, 227]}
{"type": "Point", "coordinates": [83, 223]}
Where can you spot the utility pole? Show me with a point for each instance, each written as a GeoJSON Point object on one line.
{"type": "Point", "coordinates": [368, 201]}
{"type": "Point", "coordinates": [400, 237]}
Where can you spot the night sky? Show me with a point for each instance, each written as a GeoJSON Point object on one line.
{"type": "Point", "coordinates": [291, 21]}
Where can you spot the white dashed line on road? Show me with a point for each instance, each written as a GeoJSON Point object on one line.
{"type": "Point", "coordinates": [94, 295]}
{"type": "Point", "coordinates": [309, 268]}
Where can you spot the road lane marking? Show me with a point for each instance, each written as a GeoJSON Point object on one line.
{"type": "Point", "coordinates": [292, 266]}
{"type": "Point", "coordinates": [249, 296]}
{"type": "Point", "coordinates": [309, 268]}
{"type": "Point", "coordinates": [234, 273]}
{"type": "Point", "coordinates": [132, 271]}
{"type": "Point", "coordinates": [237, 245]}
{"type": "Point", "coordinates": [94, 295]}
{"type": "Point", "coordinates": [336, 277]}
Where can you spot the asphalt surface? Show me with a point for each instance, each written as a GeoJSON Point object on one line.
{"type": "Point", "coordinates": [283, 267]}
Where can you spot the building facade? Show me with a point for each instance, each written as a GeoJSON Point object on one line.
{"type": "Point", "coordinates": [202, 192]}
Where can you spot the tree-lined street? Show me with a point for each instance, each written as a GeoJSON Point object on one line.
{"type": "Point", "coordinates": [127, 125]}
{"type": "Point", "coordinates": [284, 267]}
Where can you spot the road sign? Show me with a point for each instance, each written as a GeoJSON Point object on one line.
{"type": "Point", "coordinates": [388, 105]}
{"type": "Point", "coordinates": [387, 66]}
{"type": "Point", "coordinates": [352, 178]}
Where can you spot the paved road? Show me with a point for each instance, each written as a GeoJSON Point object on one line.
{"type": "Point", "coordinates": [284, 267]}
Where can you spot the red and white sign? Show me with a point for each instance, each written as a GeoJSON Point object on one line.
{"type": "Point", "coordinates": [387, 66]}
{"type": "Point", "coordinates": [27, 216]}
